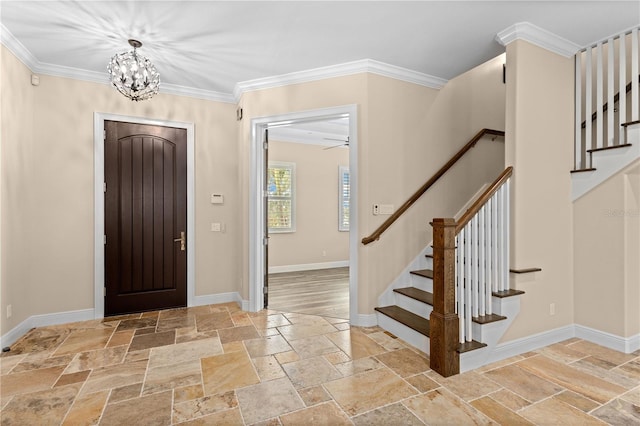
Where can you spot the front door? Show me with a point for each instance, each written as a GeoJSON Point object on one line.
{"type": "Point", "coordinates": [145, 217]}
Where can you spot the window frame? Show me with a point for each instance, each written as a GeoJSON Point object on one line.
{"type": "Point", "coordinates": [292, 167]}
{"type": "Point", "coordinates": [341, 172]}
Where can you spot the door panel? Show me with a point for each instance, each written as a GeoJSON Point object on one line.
{"type": "Point", "coordinates": [145, 212]}
{"type": "Point", "coordinates": [266, 218]}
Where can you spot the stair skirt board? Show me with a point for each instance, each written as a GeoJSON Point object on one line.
{"type": "Point", "coordinates": [409, 335]}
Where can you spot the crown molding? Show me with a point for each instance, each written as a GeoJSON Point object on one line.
{"type": "Point", "coordinates": [339, 70]}
{"type": "Point", "coordinates": [17, 48]}
{"type": "Point", "coordinates": [540, 37]}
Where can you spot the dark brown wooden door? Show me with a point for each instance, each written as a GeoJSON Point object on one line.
{"type": "Point", "coordinates": [145, 217]}
{"type": "Point", "coordinates": [265, 289]}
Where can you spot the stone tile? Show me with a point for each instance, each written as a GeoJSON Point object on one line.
{"type": "Point", "coordinates": [310, 347]}
{"type": "Point", "coordinates": [509, 399]}
{"type": "Point", "coordinates": [171, 376]}
{"type": "Point", "coordinates": [187, 393]}
{"type": "Point", "coordinates": [233, 347]}
{"type": "Point", "coordinates": [498, 412]}
{"type": "Point", "coordinates": [467, 386]}
{"type": "Point", "coordinates": [33, 408]}
{"type": "Point", "coordinates": [601, 352]}
{"type": "Point", "coordinates": [633, 396]}
{"type": "Point", "coordinates": [267, 400]}
{"type": "Point", "coordinates": [367, 391]}
{"type": "Point", "coordinates": [552, 411]}
{"type": "Point", "coordinates": [120, 338]}
{"type": "Point", "coordinates": [117, 318]}
{"type": "Point", "coordinates": [228, 417]}
{"type": "Point", "coordinates": [200, 407]}
{"type": "Point", "coordinates": [523, 383]}
{"type": "Point", "coordinates": [342, 326]}
{"type": "Point", "coordinates": [303, 330]}
{"type": "Point", "coordinates": [140, 331]}
{"type": "Point", "coordinates": [39, 340]}
{"type": "Point", "coordinates": [422, 383]}
{"type": "Point", "coordinates": [310, 372]}
{"type": "Point", "coordinates": [125, 392]}
{"type": "Point", "coordinates": [313, 395]}
{"type": "Point", "coordinates": [237, 334]}
{"type": "Point", "coordinates": [115, 376]}
{"type": "Point", "coordinates": [286, 357]}
{"type": "Point", "coordinates": [36, 364]}
{"type": "Point", "coordinates": [441, 404]}
{"type": "Point", "coordinates": [577, 401]}
{"type": "Point", "coordinates": [189, 351]}
{"type": "Point", "coordinates": [358, 366]}
{"type": "Point", "coordinates": [570, 378]}
{"type": "Point", "coordinates": [264, 332]}
{"type": "Point", "coordinates": [606, 371]}
{"type": "Point", "coordinates": [327, 413]}
{"type": "Point", "coordinates": [631, 368]}
{"type": "Point", "coordinates": [268, 368]}
{"type": "Point", "coordinates": [561, 353]}
{"type": "Point", "coordinates": [29, 381]}
{"type": "Point", "coordinates": [404, 362]}
{"type": "Point", "coordinates": [156, 409]}
{"type": "Point", "coordinates": [213, 321]}
{"type": "Point", "coordinates": [498, 364]}
{"type": "Point", "coordinates": [386, 341]}
{"type": "Point", "coordinates": [96, 359]}
{"type": "Point", "coordinates": [190, 334]}
{"type": "Point", "coordinates": [295, 318]}
{"type": "Point", "coordinates": [150, 314]}
{"type": "Point", "coordinates": [7, 363]}
{"type": "Point", "coordinates": [396, 414]}
{"type": "Point", "coordinates": [85, 340]}
{"type": "Point", "coordinates": [222, 373]}
{"type": "Point", "coordinates": [355, 344]}
{"type": "Point", "coordinates": [132, 324]}
{"type": "Point", "coordinates": [140, 355]}
{"type": "Point", "coordinates": [241, 319]}
{"type": "Point", "coordinates": [67, 379]}
{"type": "Point", "coordinates": [337, 357]}
{"type": "Point", "coordinates": [172, 323]}
{"type": "Point", "coordinates": [270, 321]}
{"type": "Point", "coordinates": [86, 410]}
{"type": "Point", "coordinates": [619, 412]}
{"type": "Point", "coordinates": [147, 341]}
{"type": "Point", "coordinates": [266, 346]}
{"type": "Point", "coordinates": [175, 313]}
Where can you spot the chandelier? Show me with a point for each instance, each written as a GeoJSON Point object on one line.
{"type": "Point", "coordinates": [134, 75]}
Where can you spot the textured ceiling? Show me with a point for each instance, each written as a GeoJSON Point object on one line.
{"type": "Point", "coordinates": [214, 45]}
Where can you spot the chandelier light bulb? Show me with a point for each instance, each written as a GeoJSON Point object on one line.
{"type": "Point", "coordinates": [134, 75]}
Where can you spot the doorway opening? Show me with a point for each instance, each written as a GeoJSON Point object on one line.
{"type": "Point", "coordinates": [186, 241]}
{"type": "Point", "coordinates": [263, 130]}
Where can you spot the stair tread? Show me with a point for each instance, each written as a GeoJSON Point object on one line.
{"type": "Point", "coordinates": [427, 273]}
{"type": "Point", "coordinates": [411, 320]}
{"type": "Point", "coordinates": [417, 294]}
{"type": "Point", "coordinates": [507, 293]}
{"type": "Point", "coordinates": [430, 256]}
{"type": "Point", "coordinates": [486, 319]}
{"type": "Point", "coordinates": [470, 346]}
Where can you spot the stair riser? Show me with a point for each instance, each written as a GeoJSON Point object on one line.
{"type": "Point", "coordinates": [414, 306]}
{"type": "Point", "coordinates": [422, 283]}
{"type": "Point", "coordinates": [412, 337]}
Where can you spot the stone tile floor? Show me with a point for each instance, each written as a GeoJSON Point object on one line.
{"type": "Point", "coordinates": [218, 365]}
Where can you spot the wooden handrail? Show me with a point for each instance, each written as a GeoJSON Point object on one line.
{"type": "Point", "coordinates": [404, 207]}
{"type": "Point", "coordinates": [481, 201]}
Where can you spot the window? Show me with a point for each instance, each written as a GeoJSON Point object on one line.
{"type": "Point", "coordinates": [344, 194]}
{"type": "Point", "coordinates": [281, 193]}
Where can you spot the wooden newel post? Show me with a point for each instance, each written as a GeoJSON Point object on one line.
{"type": "Point", "coordinates": [444, 322]}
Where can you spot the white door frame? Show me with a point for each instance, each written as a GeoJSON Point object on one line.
{"type": "Point", "coordinates": [256, 199]}
{"type": "Point", "coordinates": [98, 158]}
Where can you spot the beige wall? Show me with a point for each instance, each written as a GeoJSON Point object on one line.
{"type": "Point", "coordinates": [316, 239]}
{"type": "Point", "coordinates": [47, 188]}
{"type": "Point", "coordinates": [539, 126]}
{"type": "Point", "coordinates": [405, 133]}
{"type": "Point", "coordinates": [607, 256]}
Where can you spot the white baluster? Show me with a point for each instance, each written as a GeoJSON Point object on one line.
{"type": "Point", "coordinates": [494, 243]}
{"type": "Point", "coordinates": [500, 238]}
{"type": "Point", "coordinates": [634, 75]}
{"type": "Point", "coordinates": [474, 267]}
{"type": "Point", "coordinates": [482, 282]}
{"type": "Point", "coordinates": [507, 233]}
{"type": "Point", "coordinates": [578, 112]}
{"type": "Point", "coordinates": [599, 96]}
{"type": "Point", "coordinates": [488, 233]}
{"type": "Point", "coordinates": [588, 101]}
{"type": "Point", "coordinates": [461, 278]}
{"type": "Point", "coordinates": [622, 83]}
{"type": "Point", "coordinates": [467, 289]}
{"type": "Point", "coordinates": [457, 276]}
{"type": "Point", "coordinates": [610, 94]}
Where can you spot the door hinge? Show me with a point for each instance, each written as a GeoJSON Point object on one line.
{"type": "Point", "coordinates": [104, 134]}
{"type": "Point", "coordinates": [265, 290]}
{"type": "Point", "coordinates": [104, 186]}
{"type": "Point", "coordinates": [265, 145]}
{"type": "Point", "coordinates": [265, 241]}
{"type": "Point", "coordinates": [104, 294]}
{"type": "Point", "coordinates": [104, 239]}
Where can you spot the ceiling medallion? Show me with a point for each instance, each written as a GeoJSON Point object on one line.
{"type": "Point", "coordinates": [134, 75]}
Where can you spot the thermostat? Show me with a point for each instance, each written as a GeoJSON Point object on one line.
{"type": "Point", "coordinates": [217, 199]}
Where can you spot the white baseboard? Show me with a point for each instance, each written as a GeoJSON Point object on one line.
{"type": "Point", "coordinates": [44, 320]}
{"type": "Point", "coordinates": [212, 299]}
{"type": "Point", "coordinates": [308, 266]}
{"type": "Point", "coordinates": [364, 320]}
{"type": "Point", "coordinates": [611, 341]}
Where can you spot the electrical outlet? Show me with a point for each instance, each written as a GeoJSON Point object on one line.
{"type": "Point", "coordinates": [9, 311]}
{"type": "Point", "coordinates": [552, 309]}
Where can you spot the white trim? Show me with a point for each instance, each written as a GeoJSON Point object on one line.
{"type": "Point", "coordinates": [256, 200]}
{"type": "Point", "coordinates": [339, 70]}
{"type": "Point", "coordinates": [214, 299]}
{"type": "Point", "coordinates": [308, 266]}
{"type": "Point", "coordinates": [17, 48]}
{"type": "Point", "coordinates": [611, 341]}
{"type": "Point", "coordinates": [44, 320]}
{"type": "Point", "coordinates": [540, 37]}
{"type": "Point", "coordinates": [98, 140]}
{"type": "Point", "coordinates": [364, 320]}
{"type": "Point", "coordinates": [530, 343]}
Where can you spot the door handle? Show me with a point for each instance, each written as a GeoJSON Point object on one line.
{"type": "Point", "coordinates": [183, 241]}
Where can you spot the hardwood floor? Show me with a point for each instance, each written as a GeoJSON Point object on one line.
{"type": "Point", "coordinates": [321, 292]}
